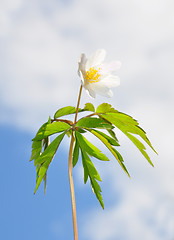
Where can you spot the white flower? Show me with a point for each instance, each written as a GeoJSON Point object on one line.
{"type": "Point", "coordinates": [96, 76]}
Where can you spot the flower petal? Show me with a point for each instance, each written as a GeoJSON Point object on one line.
{"type": "Point", "coordinates": [103, 91]}
{"type": "Point", "coordinates": [90, 90]}
{"type": "Point", "coordinates": [109, 81]}
{"type": "Point", "coordinates": [110, 67]}
{"type": "Point", "coordinates": [92, 93]}
{"type": "Point", "coordinates": [96, 59]}
{"type": "Point", "coordinates": [81, 76]}
{"type": "Point", "coordinates": [82, 58]}
{"type": "Point", "coordinates": [82, 62]}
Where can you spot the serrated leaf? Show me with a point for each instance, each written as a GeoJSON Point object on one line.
{"type": "Point", "coordinates": [112, 133]}
{"type": "Point", "coordinates": [51, 128]}
{"type": "Point", "coordinates": [129, 125]}
{"type": "Point", "coordinates": [90, 122]}
{"type": "Point", "coordinates": [90, 148]}
{"type": "Point", "coordinates": [50, 150]}
{"type": "Point", "coordinates": [140, 146]}
{"type": "Point", "coordinates": [105, 108]}
{"type": "Point", "coordinates": [111, 149]}
{"type": "Point", "coordinates": [44, 160]}
{"type": "Point", "coordinates": [45, 142]}
{"type": "Point", "coordinates": [37, 144]}
{"type": "Point", "coordinates": [97, 191]}
{"type": "Point", "coordinates": [126, 123]}
{"type": "Point", "coordinates": [90, 170]}
{"type": "Point", "coordinates": [90, 166]}
{"type": "Point", "coordinates": [119, 155]}
{"type": "Point", "coordinates": [80, 130]}
{"type": "Point", "coordinates": [66, 111]}
{"type": "Point", "coordinates": [89, 107]}
{"type": "Point", "coordinates": [111, 140]}
{"type": "Point", "coordinates": [41, 129]}
{"type": "Point", "coordinates": [36, 149]}
{"type": "Point", "coordinates": [75, 153]}
{"type": "Point", "coordinates": [37, 171]}
{"type": "Point", "coordinates": [85, 169]}
{"type": "Point", "coordinates": [49, 119]}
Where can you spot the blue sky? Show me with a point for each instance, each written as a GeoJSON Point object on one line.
{"type": "Point", "coordinates": [40, 43]}
{"type": "Point", "coordinates": [23, 215]}
{"type": "Point", "coordinates": [29, 216]}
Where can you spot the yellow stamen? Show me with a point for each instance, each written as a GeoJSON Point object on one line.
{"type": "Point", "coordinates": [92, 75]}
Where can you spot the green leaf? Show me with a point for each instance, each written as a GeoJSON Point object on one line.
{"type": "Point", "coordinates": [37, 144]}
{"type": "Point", "coordinates": [111, 149]}
{"type": "Point", "coordinates": [75, 153]}
{"type": "Point", "coordinates": [111, 140]}
{"type": "Point", "coordinates": [80, 130]}
{"type": "Point", "coordinates": [118, 155]}
{"type": "Point", "coordinates": [90, 122]}
{"type": "Point", "coordinates": [45, 142]}
{"type": "Point", "coordinates": [36, 149]}
{"type": "Point", "coordinates": [112, 133]}
{"type": "Point", "coordinates": [85, 168]}
{"type": "Point", "coordinates": [69, 133]}
{"type": "Point", "coordinates": [46, 157]}
{"type": "Point", "coordinates": [49, 119]}
{"type": "Point", "coordinates": [90, 148]}
{"type": "Point", "coordinates": [105, 108]}
{"type": "Point", "coordinates": [90, 170]}
{"type": "Point", "coordinates": [140, 146]}
{"type": "Point", "coordinates": [45, 182]}
{"type": "Point", "coordinates": [41, 129]}
{"type": "Point", "coordinates": [49, 129]}
{"type": "Point", "coordinates": [129, 126]}
{"type": "Point", "coordinates": [66, 111]}
{"type": "Point", "coordinates": [37, 171]}
{"type": "Point", "coordinates": [89, 107]}
{"type": "Point", "coordinates": [97, 191]}
{"type": "Point", "coordinates": [126, 123]}
{"type": "Point", "coordinates": [50, 150]}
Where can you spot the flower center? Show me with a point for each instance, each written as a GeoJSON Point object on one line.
{"type": "Point", "coordinates": [92, 75]}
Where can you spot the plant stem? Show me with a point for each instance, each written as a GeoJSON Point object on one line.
{"type": "Point", "coordinates": [62, 120]}
{"type": "Point", "coordinates": [72, 189]}
{"type": "Point", "coordinates": [70, 173]}
{"type": "Point", "coordinates": [80, 93]}
{"type": "Point", "coordinates": [90, 115]}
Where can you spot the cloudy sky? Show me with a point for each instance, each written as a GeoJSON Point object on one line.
{"type": "Point", "coordinates": [40, 43]}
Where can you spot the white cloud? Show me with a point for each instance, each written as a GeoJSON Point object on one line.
{"type": "Point", "coordinates": [40, 45]}
{"type": "Point", "coordinates": [7, 8]}
{"type": "Point", "coordinates": [43, 42]}
{"type": "Point", "coordinates": [140, 214]}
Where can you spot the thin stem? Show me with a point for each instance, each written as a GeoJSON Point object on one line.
{"type": "Point", "coordinates": [80, 93]}
{"type": "Point", "coordinates": [70, 173]}
{"type": "Point", "coordinates": [72, 189]}
{"type": "Point", "coordinates": [90, 115]}
{"type": "Point", "coordinates": [62, 120]}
